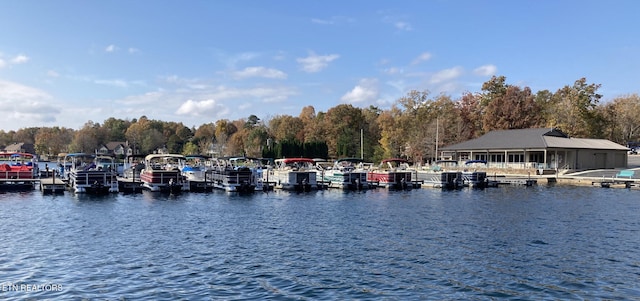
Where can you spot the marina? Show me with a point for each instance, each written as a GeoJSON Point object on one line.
{"type": "Point", "coordinates": [262, 180]}
{"type": "Point", "coordinates": [511, 242]}
{"type": "Point", "coordinates": [56, 180]}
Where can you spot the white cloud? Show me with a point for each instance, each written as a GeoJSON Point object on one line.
{"type": "Point", "coordinates": [112, 82]}
{"type": "Point", "coordinates": [423, 57]}
{"type": "Point", "coordinates": [153, 97]}
{"type": "Point", "coordinates": [20, 59]}
{"type": "Point", "coordinates": [446, 75]}
{"type": "Point", "coordinates": [393, 71]}
{"type": "Point", "coordinates": [486, 70]}
{"type": "Point", "coordinates": [111, 48]}
{"type": "Point", "coordinates": [333, 20]}
{"type": "Point", "coordinates": [366, 90]}
{"type": "Point", "coordinates": [19, 103]}
{"type": "Point", "coordinates": [231, 61]}
{"type": "Point", "coordinates": [260, 72]}
{"type": "Point", "coordinates": [264, 94]}
{"type": "Point", "coordinates": [315, 63]}
{"type": "Point", "coordinates": [322, 21]}
{"type": "Point", "coordinates": [133, 50]}
{"type": "Point", "coordinates": [403, 26]}
{"type": "Point", "coordinates": [199, 108]}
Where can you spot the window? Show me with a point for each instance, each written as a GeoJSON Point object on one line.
{"type": "Point", "coordinates": [516, 158]}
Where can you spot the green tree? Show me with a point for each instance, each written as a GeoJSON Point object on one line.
{"type": "Point", "coordinates": [115, 129]}
{"type": "Point", "coordinates": [343, 124]}
{"type": "Point", "coordinates": [574, 110]}
{"type": "Point", "coordinates": [190, 149]}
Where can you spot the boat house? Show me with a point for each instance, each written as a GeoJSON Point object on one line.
{"type": "Point", "coordinates": [538, 148]}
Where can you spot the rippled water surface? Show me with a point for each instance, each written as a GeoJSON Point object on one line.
{"type": "Point", "coordinates": [499, 243]}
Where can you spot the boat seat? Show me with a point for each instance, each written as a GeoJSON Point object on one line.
{"type": "Point", "coordinates": [625, 174]}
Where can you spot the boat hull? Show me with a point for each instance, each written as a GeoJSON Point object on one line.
{"type": "Point", "coordinates": [170, 181]}
{"type": "Point", "coordinates": [93, 182]}
{"type": "Point", "coordinates": [346, 180]}
{"type": "Point", "coordinates": [391, 179]}
{"type": "Point", "coordinates": [234, 180]}
{"type": "Point", "coordinates": [294, 180]}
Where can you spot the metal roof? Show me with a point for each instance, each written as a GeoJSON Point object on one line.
{"type": "Point", "coordinates": [538, 138]}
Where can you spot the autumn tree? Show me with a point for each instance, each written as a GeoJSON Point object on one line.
{"type": "Point", "coordinates": [470, 117]}
{"type": "Point", "coordinates": [52, 141]}
{"type": "Point", "coordinates": [626, 118]}
{"type": "Point", "coordinates": [26, 135]}
{"type": "Point", "coordinates": [256, 136]}
{"type": "Point", "coordinates": [343, 124]}
{"type": "Point", "coordinates": [286, 127]}
{"type": "Point", "coordinates": [144, 136]}
{"type": "Point", "coordinates": [224, 129]}
{"type": "Point", "coordinates": [515, 108]}
{"type": "Point", "coordinates": [89, 138]}
{"type": "Point", "coordinates": [313, 125]}
{"type": "Point", "coordinates": [204, 136]}
{"type": "Point", "coordinates": [391, 136]}
{"type": "Point", "coordinates": [371, 146]}
{"type": "Point", "coordinates": [574, 110]}
{"type": "Point", "coordinates": [414, 124]}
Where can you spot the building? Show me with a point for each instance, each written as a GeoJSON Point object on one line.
{"type": "Point", "coordinates": [545, 148]}
{"type": "Point", "coordinates": [21, 148]}
{"type": "Point", "coordinates": [120, 149]}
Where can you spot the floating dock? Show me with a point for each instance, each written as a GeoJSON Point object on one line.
{"type": "Point", "coordinates": [128, 185]}
{"type": "Point", "coordinates": [52, 185]}
{"type": "Point", "coordinates": [17, 184]}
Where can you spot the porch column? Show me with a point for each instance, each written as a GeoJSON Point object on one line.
{"type": "Point", "coordinates": [506, 159]}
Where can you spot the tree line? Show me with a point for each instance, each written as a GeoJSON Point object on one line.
{"type": "Point", "coordinates": [413, 127]}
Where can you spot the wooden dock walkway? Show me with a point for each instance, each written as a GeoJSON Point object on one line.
{"type": "Point", "coordinates": [52, 185]}
{"type": "Point", "coordinates": [18, 184]}
{"type": "Point", "coordinates": [129, 185]}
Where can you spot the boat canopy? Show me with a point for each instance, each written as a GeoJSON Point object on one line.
{"type": "Point", "coordinates": [295, 160]}
{"type": "Point", "coordinates": [160, 156]}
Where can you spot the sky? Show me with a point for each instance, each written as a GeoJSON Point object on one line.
{"type": "Point", "coordinates": [67, 62]}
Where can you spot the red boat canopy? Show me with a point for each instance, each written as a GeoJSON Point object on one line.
{"type": "Point", "coordinates": [297, 160]}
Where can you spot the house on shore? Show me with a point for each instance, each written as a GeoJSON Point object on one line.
{"type": "Point", "coordinates": [20, 148]}
{"type": "Point", "coordinates": [539, 148]}
{"type": "Point", "coordinates": [115, 148]}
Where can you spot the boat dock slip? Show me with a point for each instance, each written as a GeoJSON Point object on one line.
{"type": "Point", "coordinates": [511, 180]}
{"type": "Point", "coordinates": [17, 184]}
{"type": "Point", "coordinates": [129, 185]}
{"type": "Point", "coordinates": [52, 185]}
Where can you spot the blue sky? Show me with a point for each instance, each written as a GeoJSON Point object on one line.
{"type": "Point", "coordinates": [63, 63]}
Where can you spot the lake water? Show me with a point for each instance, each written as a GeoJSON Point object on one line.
{"type": "Point", "coordinates": [539, 242]}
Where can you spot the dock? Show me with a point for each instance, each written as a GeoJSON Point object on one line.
{"type": "Point", "coordinates": [498, 180]}
{"type": "Point", "coordinates": [17, 184]}
{"type": "Point", "coordinates": [52, 185]}
{"type": "Point", "coordinates": [200, 186]}
{"type": "Point", "coordinates": [129, 185]}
